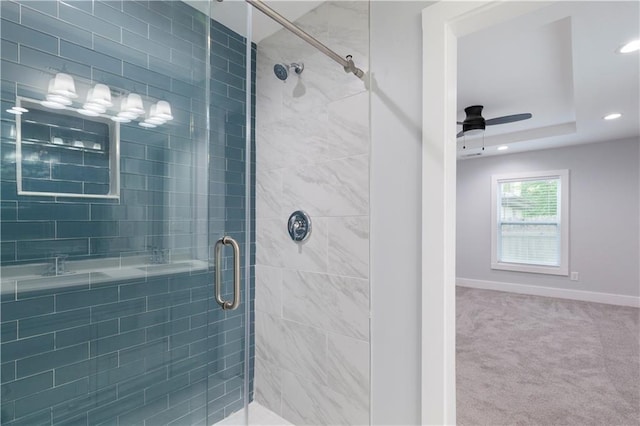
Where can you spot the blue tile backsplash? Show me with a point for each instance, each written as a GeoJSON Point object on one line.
{"type": "Point", "coordinates": [142, 349]}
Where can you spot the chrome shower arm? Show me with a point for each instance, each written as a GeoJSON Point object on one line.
{"type": "Point", "coordinates": [347, 63]}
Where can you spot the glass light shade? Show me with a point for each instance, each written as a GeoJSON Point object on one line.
{"type": "Point", "coordinates": [119, 119]}
{"type": "Point", "coordinates": [162, 109]}
{"type": "Point", "coordinates": [100, 95]}
{"type": "Point", "coordinates": [95, 107]}
{"type": "Point", "coordinates": [88, 112]}
{"type": "Point", "coordinates": [128, 115]}
{"type": "Point", "coordinates": [62, 84]}
{"type": "Point", "coordinates": [155, 121]}
{"type": "Point", "coordinates": [17, 110]}
{"type": "Point", "coordinates": [59, 99]}
{"type": "Point", "coordinates": [52, 104]}
{"type": "Point", "coordinates": [93, 104]}
{"type": "Point", "coordinates": [152, 117]}
{"type": "Point", "coordinates": [132, 103]}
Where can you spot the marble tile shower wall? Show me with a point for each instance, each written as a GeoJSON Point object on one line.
{"type": "Point", "coordinates": [152, 349]}
{"type": "Point", "coordinates": [312, 299]}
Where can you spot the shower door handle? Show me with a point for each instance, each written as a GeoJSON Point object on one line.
{"type": "Point", "coordinates": [226, 304]}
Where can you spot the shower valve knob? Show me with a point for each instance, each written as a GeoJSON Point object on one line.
{"type": "Point", "coordinates": [299, 226]}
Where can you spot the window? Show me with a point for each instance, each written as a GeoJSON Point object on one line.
{"type": "Point", "coordinates": [530, 222]}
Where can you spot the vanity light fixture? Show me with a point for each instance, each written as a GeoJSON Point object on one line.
{"type": "Point", "coordinates": [62, 84]}
{"type": "Point", "coordinates": [62, 91]}
{"type": "Point", "coordinates": [632, 46]}
{"type": "Point", "coordinates": [159, 113]}
{"type": "Point", "coordinates": [124, 110]}
{"type": "Point", "coordinates": [502, 147]}
{"type": "Point", "coordinates": [612, 116]}
{"type": "Point", "coordinates": [132, 104]}
{"type": "Point", "coordinates": [100, 95]}
{"type": "Point", "coordinates": [162, 110]}
{"type": "Point", "coordinates": [92, 105]}
{"type": "Point", "coordinates": [153, 117]}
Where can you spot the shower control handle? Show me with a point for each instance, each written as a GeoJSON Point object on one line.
{"type": "Point", "coordinates": [226, 304]}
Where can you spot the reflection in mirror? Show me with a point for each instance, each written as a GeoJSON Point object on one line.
{"type": "Point", "coordinates": [59, 152]}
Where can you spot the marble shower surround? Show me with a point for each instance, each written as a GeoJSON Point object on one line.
{"type": "Point", "coordinates": [312, 149]}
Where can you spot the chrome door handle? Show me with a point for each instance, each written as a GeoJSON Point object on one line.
{"type": "Point", "coordinates": [226, 304]}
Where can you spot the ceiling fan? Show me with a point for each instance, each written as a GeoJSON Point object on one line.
{"type": "Point", "coordinates": [475, 120]}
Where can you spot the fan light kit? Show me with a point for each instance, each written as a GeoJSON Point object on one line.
{"type": "Point", "coordinates": [632, 46]}
{"type": "Point", "coordinates": [612, 116]}
{"type": "Point", "coordinates": [62, 92]}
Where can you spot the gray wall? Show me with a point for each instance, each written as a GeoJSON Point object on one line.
{"type": "Point", "coordinates": [396, 146]}
{"type": "Point", "coordinates": [603, 239]}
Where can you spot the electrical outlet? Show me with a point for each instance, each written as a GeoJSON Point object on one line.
{"type": "Point", "coordinates": [574, 276]}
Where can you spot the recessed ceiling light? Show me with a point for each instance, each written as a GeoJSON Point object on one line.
{"type": "Point", "coordinates": [502, 147]}
{"type": "Point", "coordinates": [612, 116]}
{"type": "Point", "coordinates": [632, 46]}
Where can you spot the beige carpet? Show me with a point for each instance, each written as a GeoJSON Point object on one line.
{"type": "Point", "coordinates": [528, 360]}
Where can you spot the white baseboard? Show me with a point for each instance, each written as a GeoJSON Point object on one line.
{"type": "Point", "coordinates": [560, 293]}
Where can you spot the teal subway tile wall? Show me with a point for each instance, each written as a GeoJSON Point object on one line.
{"type": "Point", "coordinates": [148, 346]}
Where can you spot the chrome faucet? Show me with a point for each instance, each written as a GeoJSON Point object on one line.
{"type": "Point", "coordinates": [158, 256]}
{"type": "Point", "coordinates": [58, 266]}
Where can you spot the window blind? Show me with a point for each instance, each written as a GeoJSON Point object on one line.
{"type": "Point", "coordinates": [529, 221]}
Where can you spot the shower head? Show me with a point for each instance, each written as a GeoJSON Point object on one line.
{"type": "Point", "coordinates": [282, 70]}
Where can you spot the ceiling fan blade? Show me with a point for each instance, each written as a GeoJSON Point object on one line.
{"type": "Point", "coordinates": [459, 134]}
{"type": "Point", "coordinates": [508, 119]}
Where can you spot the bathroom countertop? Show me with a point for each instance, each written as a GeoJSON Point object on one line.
{"type": "Point", "coordinates": [32, 277]}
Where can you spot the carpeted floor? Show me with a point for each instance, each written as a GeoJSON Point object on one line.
{"type": "Point", "coordinates": [528, 360]}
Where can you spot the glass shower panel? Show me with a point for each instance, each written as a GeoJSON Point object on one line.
{"type": "Point", "coordinates": [109, 215]}
{"type": "Point", "coordinates": [231, 168]}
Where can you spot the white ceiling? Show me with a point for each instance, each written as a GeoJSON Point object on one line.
{"type": "Point", "coordinates": [558, 63]}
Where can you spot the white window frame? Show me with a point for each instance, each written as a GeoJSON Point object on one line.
{"type": "Point", "coordinates": [563, 268]}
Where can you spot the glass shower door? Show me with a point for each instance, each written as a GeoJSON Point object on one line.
{"type": "Point", "coordinates": [118, 176]}
{"type": "Point", "coordinates": [231, 207]}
